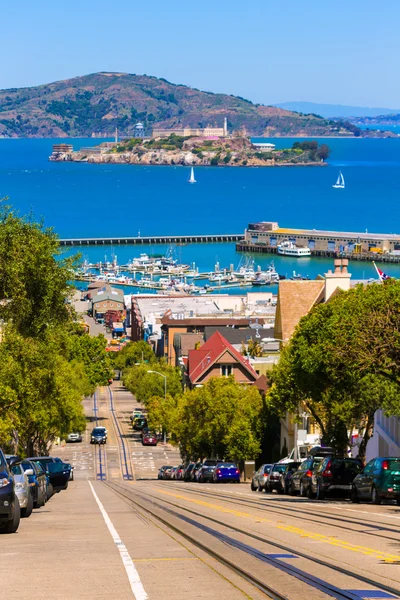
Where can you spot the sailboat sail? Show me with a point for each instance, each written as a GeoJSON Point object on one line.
{"type": "Point", "coordinates": [340, 181]}
{"type": "Point", "coordinates": [192, 179]}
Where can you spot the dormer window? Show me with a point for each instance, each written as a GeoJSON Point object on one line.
{"type": "Point", "coordinates": [226, 370]}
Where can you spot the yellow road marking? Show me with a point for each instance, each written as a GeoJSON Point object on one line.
{"type": "Point", "coordinates": [385, 556]}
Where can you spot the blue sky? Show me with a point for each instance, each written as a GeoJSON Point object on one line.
{"type": "Point", "coordinates": [331, 51]}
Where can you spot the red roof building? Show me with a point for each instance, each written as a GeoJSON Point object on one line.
{"type": "Point", "coordinates": [218, 358]}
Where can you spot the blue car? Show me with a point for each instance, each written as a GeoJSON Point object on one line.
{"type": "Point", "coordinates": [226, 471]}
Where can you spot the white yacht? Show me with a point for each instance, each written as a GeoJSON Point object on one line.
{"type": "Point", "coordinates": [192, 179]}
{"type": "Point", "coordinates": [339, 182]}
{"type": "Point", "coordinates": [288, 248]}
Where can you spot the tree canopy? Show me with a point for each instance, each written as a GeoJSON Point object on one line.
{"type": "Point", "coordinates": [342, 363]}
{"type": "Point", "coordinates": [47, 363]}
{"type": "Point", "coordinates": [222, 419]}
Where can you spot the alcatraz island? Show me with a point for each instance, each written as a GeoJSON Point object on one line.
{"type": "Point", "coordinates": [211, 146]}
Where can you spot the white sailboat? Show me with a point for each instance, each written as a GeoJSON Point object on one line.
{"type": "Point", "coordinates": [192, 179]}
{"type": "Point", "coordinates": [340, 181]}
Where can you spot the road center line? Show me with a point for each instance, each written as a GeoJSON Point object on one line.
{"type": "Point", "coordinates": [133, 576]}
{"type": "Point", "coordinates": [379, 554]}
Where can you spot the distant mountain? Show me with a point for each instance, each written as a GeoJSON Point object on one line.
{"type": "Point", "coordinates": [330, 111]}
{"type": "Point", "coordinates": [98, 103]}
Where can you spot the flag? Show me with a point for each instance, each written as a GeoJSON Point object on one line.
{"type": "Point", "coordinates": [382, 275]}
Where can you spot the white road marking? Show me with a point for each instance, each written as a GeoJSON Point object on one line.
{"type": "Point", "coordinates": [133, 576]}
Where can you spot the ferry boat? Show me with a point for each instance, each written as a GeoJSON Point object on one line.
{"type": "Point", "coordinates": [288, 248]}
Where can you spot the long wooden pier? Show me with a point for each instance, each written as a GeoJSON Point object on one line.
{"type": "Point", "coordinates": [160, 239]}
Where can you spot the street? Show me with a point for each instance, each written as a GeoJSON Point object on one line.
{"type": "Point", "coordinates": [117, 532]}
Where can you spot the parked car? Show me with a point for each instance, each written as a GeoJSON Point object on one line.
{"type": "Point", "coordinates": [139, 423]}
{"type": "Point", "coordinates": [167, 472]}
{"type": "Point", "coordinates": [74, 437]}
{"type": "Point", "coordinates": [187, 472]}
{"type": "Point", "coordinates": [22, 487]}
{"type": "Point", "coordinates": [57, 471]}
{"type": "Point", "coordinates": [275, 479]}
{"type": "Point", "coordinates": [161, 472]}
{"type": "Point", "coordinates": [206, 471]}
{"type": "Point", "coordinates": [149, 439]}
{"type": "Point", "coordinates": [193, 473]}
{"type": "Point", "coordinates": [259, 478]}
{"type": "Point", "coordinates": [334, 476]}
{"type": "Point", "coordinates": [137, 413]}
{"type": "Point", "coordinates": [300, 482]}
{"type": "Point", "coordinates": [98, 436]}
{"type": "Point", "coordinates": [291, 468]}
{"type": "Point", "coordinates": [380, 479]}
{"type": "Point", "coordinates": [37, 482]}
{"type": "Point", "coordinates": [10, 512]}
{"type": "Point", "coordinates": [179, 472]}
{"type": "Point", "coordinates": [225, 471]}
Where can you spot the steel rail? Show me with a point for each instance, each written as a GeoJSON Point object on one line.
{"type": "Point", "coordinates": [307, 578]}
{"type": "Point", "coordinates": [126, 473]}
{"type": "Point", "coordinates": [286, 549]}
{"type": "Point", "coordinates": [272, 507]}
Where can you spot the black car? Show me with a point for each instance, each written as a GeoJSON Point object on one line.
{"type": "Point", "coordinates": [206, 471]}
{"type": "Point", "coordinates": [57, 472]}
{"type": "Point", "coordinates": [334, 476]}
{"type": "Point", "coordinates": [10, 512]}
{"type": "Point", "coordinates": [37, 482]}
{"type": "Point", "coordinates": [98, 436]}
{"type": "Point", "coordinates": [139, 424]}
{"type": "Point", "coordinates": [276, 479]}
{"type": "Point", "coordinates": [300, 482]}
{"type": "Point", "coordinates": [187, 472]}
{"type": "Point", "coordinates": [193, 472]}
{"type": "Point", "coordinates": [288, 474]}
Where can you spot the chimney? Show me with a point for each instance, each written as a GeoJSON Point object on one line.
{"type": "Point", "coordinates": [340, 278]}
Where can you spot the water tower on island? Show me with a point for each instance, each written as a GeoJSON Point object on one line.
{"type": "Point", "coordinates": [139, 130]}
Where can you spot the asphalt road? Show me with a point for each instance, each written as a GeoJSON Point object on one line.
{"type": "Point", "coordinates": [119, 533]}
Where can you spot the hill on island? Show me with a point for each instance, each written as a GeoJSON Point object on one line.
{"type": "Point", "coordinates": [98, 103]}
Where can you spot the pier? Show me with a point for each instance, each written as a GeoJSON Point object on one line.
{"type": "Point", "coordinates": [160, 239]}
{"type": "Point", "coordinates": [359, 256]}
{"type": "Point", "coordinates": [266, 236]}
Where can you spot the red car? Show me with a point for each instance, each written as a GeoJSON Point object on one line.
{"type": "Point", "coordinates": [149, 439]}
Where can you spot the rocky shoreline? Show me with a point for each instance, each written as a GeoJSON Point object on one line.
{"type": "Point", "coordinates": [196, 152]}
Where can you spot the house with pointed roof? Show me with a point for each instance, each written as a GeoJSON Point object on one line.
{"type": "Point", "coordinates": [217, 358]}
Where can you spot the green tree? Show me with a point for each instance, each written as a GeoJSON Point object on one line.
{"type": "Point", "coordinates": [206, 421]}
{"type": "Point", "coordinates": [34, 278]}
{"type": "Point", "coordinates": [342, 363]}
{"type": "Point", "coordinates": [146, 385]}
{"type": "Point", "coordinates": [132, 353]}
{"type": "Point", "coordinates": [323, 152]}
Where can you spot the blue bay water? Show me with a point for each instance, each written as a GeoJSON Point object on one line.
{"type": "Point", "coordinates": [111, 200]}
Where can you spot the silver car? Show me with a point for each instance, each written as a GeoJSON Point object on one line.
{"type": "Point", "coordinates": [260, 478]}
{"type": "Point", "coordinates": [74, 437]}
{"type": "Point", "coordinates": [22, 488]}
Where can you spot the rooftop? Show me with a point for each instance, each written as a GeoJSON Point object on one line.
{"type": "Point", "coordinates": [200, 361]}
{"type": "Point", "coordinates": [351, 235]}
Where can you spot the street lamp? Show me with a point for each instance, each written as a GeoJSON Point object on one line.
{"type": "Point", "coordinates": [165, 394]}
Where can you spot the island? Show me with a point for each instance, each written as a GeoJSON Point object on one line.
{"type": "Point", "coordinates": [233, 151]}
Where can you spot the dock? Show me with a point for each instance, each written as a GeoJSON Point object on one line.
{"type": "Point", "coordinates": [160, 239]}
{"type": "Point", "coordinates": [266, 236]}
{"type": "Point", "coordinates": [359, 256]}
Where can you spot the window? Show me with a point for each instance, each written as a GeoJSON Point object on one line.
{"type": "Point", "coordinates": [226, 370]}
